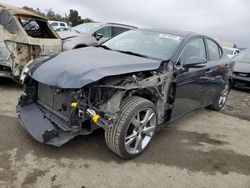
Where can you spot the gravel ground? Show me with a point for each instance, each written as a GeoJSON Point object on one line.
{"type": "Point", "coordinates": [205, 149]}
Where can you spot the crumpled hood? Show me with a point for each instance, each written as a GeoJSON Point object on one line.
{"type": "Point", "coordinates": [77, 68]}
{"type": "Point", "coordinates": [241, 67]}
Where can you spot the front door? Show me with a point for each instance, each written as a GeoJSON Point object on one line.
{"type": "Point", "coordinates": [190, 86]}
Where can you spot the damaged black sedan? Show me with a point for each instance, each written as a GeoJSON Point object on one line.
{"type": "Point", "coordinates": [131, 86]}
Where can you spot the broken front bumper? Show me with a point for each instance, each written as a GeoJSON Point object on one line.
{"type": "Point", "coordinates": [41, 128]}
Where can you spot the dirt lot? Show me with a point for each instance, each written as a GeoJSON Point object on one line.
{"type": "Point", "coordinates": [206, 149]}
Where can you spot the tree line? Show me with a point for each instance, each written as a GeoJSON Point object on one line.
{"type": "Point", "coordinates": [73, 18]}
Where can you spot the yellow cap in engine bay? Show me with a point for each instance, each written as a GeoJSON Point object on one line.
{"type": "Point", "coordinates": [74, 104]}
{"type": "Point", "coordinates": [95, 118]}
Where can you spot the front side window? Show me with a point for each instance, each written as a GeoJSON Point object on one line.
{"type": "Point", "coordinates": [196, 48]}
{"type": "Point", "coordinates": [146, 43]}
{"type": "Point", "coordinates": [54, 24]}
{"type": "Point", "coordinates": [62, 24]}
{"type": "Point", "coordinates": [105, 31]}
{"type": "Point", "coordinates": [213, 50]}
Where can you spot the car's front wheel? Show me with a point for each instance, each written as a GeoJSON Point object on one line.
{"type": "Point", "coordinates": [135, 128]}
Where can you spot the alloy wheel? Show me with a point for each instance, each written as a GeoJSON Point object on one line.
{"type": "Point", "coordinates": [140, 130]}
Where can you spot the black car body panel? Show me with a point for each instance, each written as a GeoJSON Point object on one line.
{"type": "Point", "coordinates": [88, 65]}
{"type": "Point", "coordinates": [72, 87]}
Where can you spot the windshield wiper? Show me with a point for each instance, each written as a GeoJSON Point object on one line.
{"type": "Point", "coordinates": [132, 53]}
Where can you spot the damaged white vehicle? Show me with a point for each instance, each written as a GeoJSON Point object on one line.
{"type": "Point", "coordinates": [24, 36]}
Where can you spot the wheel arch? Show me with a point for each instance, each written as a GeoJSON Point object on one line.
{"type": "Point", "coordinates": [149, 94]}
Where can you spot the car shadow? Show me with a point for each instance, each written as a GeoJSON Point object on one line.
{"type": "Point", "coordinates": [171, 147]}
{"type": "Point", "coordinates": [8, 83]}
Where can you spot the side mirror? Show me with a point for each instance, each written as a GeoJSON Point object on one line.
{"type": "Point", "coordinates": [195, 62]}
{"type": "Point", "coordinates": [98, 36]}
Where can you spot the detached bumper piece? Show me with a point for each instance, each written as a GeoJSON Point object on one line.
{"type": "Point", "coordinates": [40, 128]}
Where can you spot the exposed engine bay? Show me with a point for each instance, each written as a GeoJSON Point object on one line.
{"type": "Point", "coordinates": [98, 104]}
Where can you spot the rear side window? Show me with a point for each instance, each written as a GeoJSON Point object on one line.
{"type": "Point", "coordinates": [118, 30]}
{"type": "Point", "coordinates": [54, 24]}
{"type": "Point", "coordinates": [214, 51]}
{"type": "Point", "coordinates": [36, 28]}
{"type": "Point", "coordinates": [196, 48]}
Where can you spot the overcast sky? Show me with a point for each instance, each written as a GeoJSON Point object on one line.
{"type": "Point", "coordinates": [228, 20]}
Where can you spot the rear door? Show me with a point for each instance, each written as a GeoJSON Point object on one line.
{"type": "Point", "coordinates": [217, 68]}
{"type": "Point", "coordinates": [189, 81]}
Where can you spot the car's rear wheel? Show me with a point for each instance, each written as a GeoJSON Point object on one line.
{"type": "Point", "coordinates": [135, 128]}
{"type": "Point", "coordinates": [221, 100]}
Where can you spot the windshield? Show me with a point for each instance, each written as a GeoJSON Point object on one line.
{"type": "Point", "coordinates": [85, 28]}
{"type": "Point", "coordinates": [146, 43]}
{"type": "Point", "coordinates": [243, 57]}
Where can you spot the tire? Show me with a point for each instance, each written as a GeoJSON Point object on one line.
{"type": "Point", "coordinates": [221, 99]}
{"type": "Point", "coordinates": [134, 129]}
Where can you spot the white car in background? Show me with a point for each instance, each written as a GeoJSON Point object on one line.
{"type": "Point", "coordinates": [57, 24]}
{"type": "Point", "coordinates": [231, 52]}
